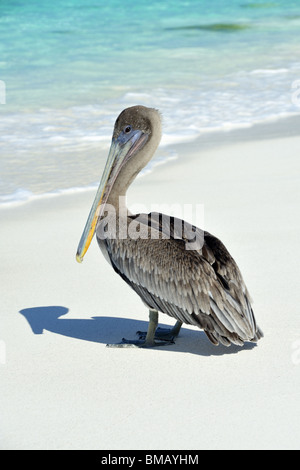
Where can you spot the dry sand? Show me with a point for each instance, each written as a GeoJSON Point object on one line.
{"type": "Point", "coordinates": [61, 388]}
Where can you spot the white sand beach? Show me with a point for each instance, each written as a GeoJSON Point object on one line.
{"type": "Point", "coordinates": [61, 388]}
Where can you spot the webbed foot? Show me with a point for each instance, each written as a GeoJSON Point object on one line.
{"type": "Point", "coordinates": [153, 337]}
{"type": "Point", "coordinates": [140, 343]}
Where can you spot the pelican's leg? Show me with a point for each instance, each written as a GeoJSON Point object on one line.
{"type": "Point", "coordinates": [169, 333]}
{"type": "Point", "coordinates": [164, 334]}
{"type": "Point", "coordinates": [153, 322]}
{"type": "Point", "coordinates": [147, 340]}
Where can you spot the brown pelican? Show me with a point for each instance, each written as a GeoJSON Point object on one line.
{"type": "Point", "coordinates": [198, 284]}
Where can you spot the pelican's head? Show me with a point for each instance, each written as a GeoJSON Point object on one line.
{"type": "Point", "coordinates": [136, 136]}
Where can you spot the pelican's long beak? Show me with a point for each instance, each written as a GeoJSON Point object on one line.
{"type": "Point", "coordinates": [122, 148]}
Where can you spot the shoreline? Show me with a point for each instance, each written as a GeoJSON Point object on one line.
{"type": "Point", "coordinates": [272, 129]}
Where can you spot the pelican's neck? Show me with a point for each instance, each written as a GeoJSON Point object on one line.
{"type": "Point", "coordinates": [118, 199]}
{"type": "Point", "coordinates": [135, 164]}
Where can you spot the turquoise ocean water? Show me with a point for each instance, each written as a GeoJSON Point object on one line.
{"type": "Point", "coordinates": [68, 67]}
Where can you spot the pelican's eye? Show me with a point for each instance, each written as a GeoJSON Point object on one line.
{"type": "Point", "coordinates": [127, 129]}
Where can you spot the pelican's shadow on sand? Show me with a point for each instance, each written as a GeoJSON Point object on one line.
{"type": "Point", "coordinates": [112, 329]}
